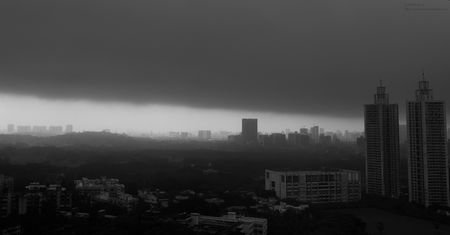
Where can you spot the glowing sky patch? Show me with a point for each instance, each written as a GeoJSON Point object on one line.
{"type": "Point", "coordinates": [126, 117]}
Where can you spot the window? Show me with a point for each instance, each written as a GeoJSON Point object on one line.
{"type": "Point", "coordinates": [289, 179]}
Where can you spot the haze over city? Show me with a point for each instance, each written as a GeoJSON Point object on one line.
{"type": "Point", "coordinates": [144, 118]}
{"type": "Point", "coordinates": [230, 117]}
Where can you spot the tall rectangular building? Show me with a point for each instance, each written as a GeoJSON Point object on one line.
{"type": "Point", "coordinates": [382, 146]}
{"type": "Point", "coordinates": [204, 134]}
{"type": "Point", "coordinates": [249, 131]}
{"type": "Point", "coordinates": [428, 160]}
{"type": "Point", "coordinates": [314, 132]}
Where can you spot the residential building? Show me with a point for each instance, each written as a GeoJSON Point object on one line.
{"type": "Point", "coordinates": [326, 186]}
{"type": "Point", "coordinates": [427, 145]}
{"type": "Point", "coordinates": [204, 134]}
{"type": "Point", "coordinates": [227, 224]}
{"type": "Point", "coordinates": [382, 146]}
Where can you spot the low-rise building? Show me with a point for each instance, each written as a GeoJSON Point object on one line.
{"type": "Point", "coordinates": [59, 196]}
{"type": "Point", "coordinates": [326, 186]}
{"type": "Point", "coordinates": [93, 187]}
{"type": "Point", "coordinates": [227, 224]}
{"type": "Point", "coordinates": [105, 190]}
{"type": "Point", "coordinates": [54, 196]}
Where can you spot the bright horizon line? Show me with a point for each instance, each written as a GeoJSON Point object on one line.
{"type": "Point", "coordinates": [121, 117]}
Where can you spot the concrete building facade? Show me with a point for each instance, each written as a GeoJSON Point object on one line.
{"type": "Point", "coordinates": [382, 146]}
{"type": "Point", "coordinates": [427, 145]}
{"type": "Point", "coordinates": [328, 186]}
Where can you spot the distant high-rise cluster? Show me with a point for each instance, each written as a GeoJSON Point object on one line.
{"type": "Point", "coordinates": [427, 147]}
{"type": "Point", "coordinates": [38, 130]}
{"type": "Point", "coordinates": [305, 137]}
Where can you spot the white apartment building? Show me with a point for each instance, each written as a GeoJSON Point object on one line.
{"type": "Point", "coordinates": [329, 186]}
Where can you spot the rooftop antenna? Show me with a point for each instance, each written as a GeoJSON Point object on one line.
{"type": "Point", "coordinates": [424, 92]}
{"type": "Point", "coordinates": [381, 97]}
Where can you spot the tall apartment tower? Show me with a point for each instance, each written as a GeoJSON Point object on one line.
{"type": "Point", "coordinates": [382, 146]}
{"type": "Point", "coordinates": [428, 160]}
{"type": "Point", "coordinates": [250, 131]}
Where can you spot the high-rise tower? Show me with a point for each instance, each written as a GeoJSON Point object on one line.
{"type": "Point", "coordinates": [428, 160]}
{"type": "Point", "coordinates": [382, 148]}
{"type": "Point", "coordinates": [314, 133]}
{"type": "Point", "coordinates": [250, 130]}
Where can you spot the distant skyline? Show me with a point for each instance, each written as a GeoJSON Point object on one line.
{"type": "Point", "coordinates": [123, 117]}
{"type": "Point", "coordinates": [86, 115]}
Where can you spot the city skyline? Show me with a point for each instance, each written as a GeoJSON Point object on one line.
{"type": "Point", "coordinates": [27, 110]}
{"type": "Point", "coordinates": [98, 116]}
{"type": "Point", "coordinates": [234, 117]}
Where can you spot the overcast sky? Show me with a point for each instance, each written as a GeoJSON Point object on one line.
{"type": "Point", "coordinates": [303, 60]}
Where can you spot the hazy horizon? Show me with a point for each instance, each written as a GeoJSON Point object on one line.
{"type": "Point", "coordinates": [88, 115]}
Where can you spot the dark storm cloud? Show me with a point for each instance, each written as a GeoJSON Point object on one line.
{"type": "Point", "coordinates": [311, 57]}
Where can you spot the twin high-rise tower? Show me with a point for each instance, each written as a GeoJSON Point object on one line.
{"type": "Point", "coordinates": [383, 149]}
{"type": "Point", "coordinates": [427, 148]}
{"type": "Point", "coordinates": [428, 160]}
